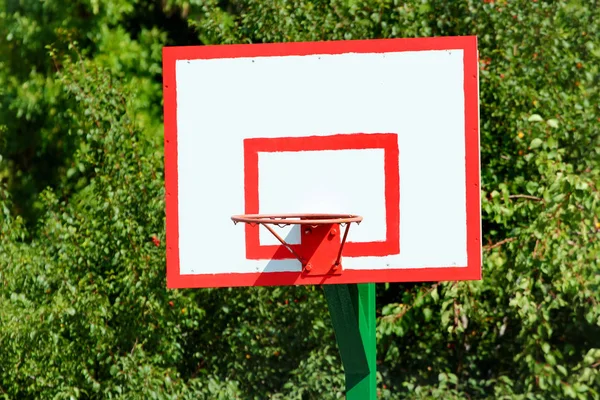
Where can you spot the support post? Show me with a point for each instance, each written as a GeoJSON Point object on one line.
{"type": "Point", "coordinates": [352, 309]}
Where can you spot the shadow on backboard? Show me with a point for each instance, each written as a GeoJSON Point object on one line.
{"type": "Point", "coordinates": [284, 267]}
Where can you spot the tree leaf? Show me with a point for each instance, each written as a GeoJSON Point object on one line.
{"type": "Point", "coordinates": [535, 143]}
{"type": "Point", "coordinates": [535, 118]}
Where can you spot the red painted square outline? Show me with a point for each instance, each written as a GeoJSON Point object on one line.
{"type": "Point", "coordinates": [388, 142]}
{"type": "Point", "coordinates": [470, 271]}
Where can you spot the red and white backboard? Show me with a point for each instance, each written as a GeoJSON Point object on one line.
{"type": "Point", "coordinates": [386, 129]}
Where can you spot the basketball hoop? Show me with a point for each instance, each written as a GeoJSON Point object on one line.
{"type": "Point", "coordinates": [297, 219]}
{"type": "Point", "coordinates": [319, 234]}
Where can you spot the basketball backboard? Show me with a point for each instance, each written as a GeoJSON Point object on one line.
{"type": "Point", "coordinates": [385, 129]}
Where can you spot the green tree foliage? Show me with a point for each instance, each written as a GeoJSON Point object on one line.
{"type": "Point", "coordinates": [84, 312]}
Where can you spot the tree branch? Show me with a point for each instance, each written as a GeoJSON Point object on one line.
{"type": "Point", "coordinates": [500, 243]}
{"type": "Point", "coordinates": [525, 196]}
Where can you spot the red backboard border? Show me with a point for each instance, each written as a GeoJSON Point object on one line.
{"type": "Point", "coordinates": [471, 271]}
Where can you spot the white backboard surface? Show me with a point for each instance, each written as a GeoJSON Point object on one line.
{"type": "Point", "coordinates": [288, 126]}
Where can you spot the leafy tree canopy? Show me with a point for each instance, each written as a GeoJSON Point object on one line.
{"type": "Point", "coordinates": [84, 312]}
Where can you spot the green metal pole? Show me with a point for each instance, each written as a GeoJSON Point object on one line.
{"type": "Point", "coordinates": [352, 309]}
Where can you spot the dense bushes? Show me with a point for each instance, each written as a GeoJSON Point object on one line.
{"type": "Point", "coordinates": [83, 307]}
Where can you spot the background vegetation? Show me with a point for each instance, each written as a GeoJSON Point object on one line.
{"type": "Point", "coordinates": [84, 312]}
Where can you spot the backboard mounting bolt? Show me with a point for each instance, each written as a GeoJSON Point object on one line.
{"type": "Point", "coordinates": [307, 231]}
{"type": "Point", "coordinates": [308, 267]}
{"type": "Point", "coordinates": [333, 232]}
